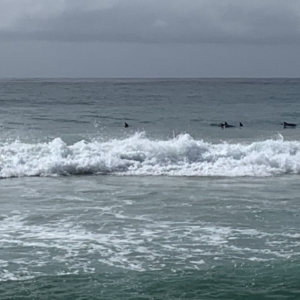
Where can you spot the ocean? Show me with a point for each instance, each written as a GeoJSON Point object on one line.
{"type": "Point", "coordinates": [172, 207]}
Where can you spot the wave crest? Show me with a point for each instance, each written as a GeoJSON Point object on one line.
{"type": "Point", "coordinates": [138, 155]}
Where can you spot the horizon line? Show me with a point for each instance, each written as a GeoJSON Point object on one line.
{"type": "Point", "coordinates": [150, 77]}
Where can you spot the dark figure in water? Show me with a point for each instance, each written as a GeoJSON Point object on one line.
{"type": "Point", "coordinates": [226, 125]}
{"type": "Point", "coordinates": [289, 125]}
{"type": "Point", "coordinates": [126, 125]}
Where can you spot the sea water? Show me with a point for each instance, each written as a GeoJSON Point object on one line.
{"type": "Point", "coordinates": [172, 207]}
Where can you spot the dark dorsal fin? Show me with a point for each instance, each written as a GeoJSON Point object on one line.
{"type": "Point", "coordinates": [126, 125]}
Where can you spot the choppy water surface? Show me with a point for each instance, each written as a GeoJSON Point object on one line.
{"type": "Point", "coordinates": [169, 208]}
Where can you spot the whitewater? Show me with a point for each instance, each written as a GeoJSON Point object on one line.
{"type": "Point", "coordinates": [139, 155]}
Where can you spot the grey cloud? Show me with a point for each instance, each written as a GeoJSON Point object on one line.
{"type": "Point", "coordinates": [163, 21]}
{"type": "Point", "coordinates": [48, 59]}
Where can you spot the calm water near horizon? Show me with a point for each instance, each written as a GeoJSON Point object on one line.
{"type": "Point", "coordinates": [172, 207]}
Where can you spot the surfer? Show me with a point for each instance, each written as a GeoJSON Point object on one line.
{"type": "Point", "coordinates": [126, 125]}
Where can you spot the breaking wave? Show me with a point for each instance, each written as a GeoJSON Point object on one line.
{"type": "Point", "coordinates": [139, 155]}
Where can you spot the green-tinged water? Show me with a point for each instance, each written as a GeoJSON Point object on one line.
{"type": "Point", "coordinates": [257, 281]}
{"type": "Point", "coordinates": [107, 237]}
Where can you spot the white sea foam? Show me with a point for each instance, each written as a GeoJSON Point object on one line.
{"type": "Point", "coordinates": [68, 245]}
{"type": "Point", "coordinates": [139, 155]}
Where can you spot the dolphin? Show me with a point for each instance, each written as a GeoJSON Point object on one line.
{"type": "Point", "coordinates": [289, 125]}
{"type": "Point", "coordinates": [226, 125]}
{"type": "Point", "coordinates": [217, 124]}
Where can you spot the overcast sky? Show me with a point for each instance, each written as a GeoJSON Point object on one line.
{"type": "Point", "coordinates": [149, 38]}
